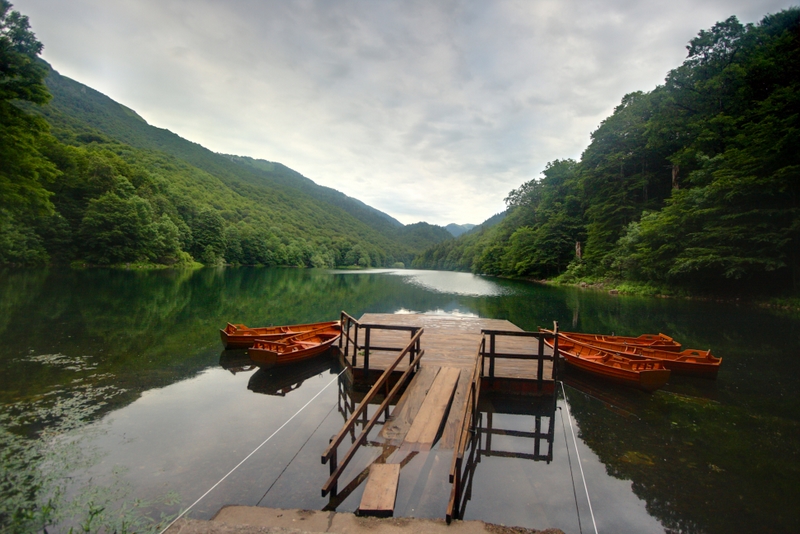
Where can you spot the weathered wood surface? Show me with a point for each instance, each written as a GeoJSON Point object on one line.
{"type": "Point", "coordinates": [396, 428]}
{"type": "Point", "coordinates": [429, 419]}
{"type": "Point", "coordinates": [380, 492]}
{"type": "Point", "coordinates": [453, 424]}
{"type": "Point", "coordinates": [451, 341]}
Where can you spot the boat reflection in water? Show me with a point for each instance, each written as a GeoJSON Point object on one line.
{"type": "Point", "coordinates": [236, 361]}
{"type": "Point", "coordinates": [283, 379]}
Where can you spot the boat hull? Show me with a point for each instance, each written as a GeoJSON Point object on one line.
{"type": "Point", "coordinates": [686, 362]}
{"type": "Point", "coordinates": [641, 373]}
{"type": "Point", "coordinates": [239, 336]}
{"type": "Point", "coordinates": [295, 348]}
{"type": "Point", "coordinates": [655, 341]}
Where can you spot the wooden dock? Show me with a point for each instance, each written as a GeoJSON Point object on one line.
{"type": "Point", "coordinates": [433, 368]}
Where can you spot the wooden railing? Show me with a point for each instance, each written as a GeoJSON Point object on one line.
{"type": "Point", "coordinates": [463, 437]}
{"type": "Point", "coordinates": [350, 336]}
{"type": "Point", "coordinates": [540, 356]}
{"type": "Point", "coordinates": [346, 340]}
{"type": "Point", "coordinates": [330, 454]}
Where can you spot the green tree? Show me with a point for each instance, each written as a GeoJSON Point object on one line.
{"type": "Point", "coordinates": [23, 169]}
{"type": "Point", "coordinates": [119, 229]}
{"type": "Point", "coordinates": [208, 229]}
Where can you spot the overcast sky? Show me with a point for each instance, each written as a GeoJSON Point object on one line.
{"type": "Point", "coordinates": [428, 110]}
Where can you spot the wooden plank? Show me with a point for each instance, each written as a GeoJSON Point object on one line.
{"type": "Point", "coordinates": [396, 428]}
{"type": "Point", "coordinates": [428, 421]}
{"type": "Point", "coordinates": [381, 490]}
{"type": "Point", "coordinates": [453, 424]}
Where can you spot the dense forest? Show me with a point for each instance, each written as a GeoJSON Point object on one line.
{"type": "Point", "coordinates": [86, 180]}
{"type": "Point", "coordinates": [693, 185]}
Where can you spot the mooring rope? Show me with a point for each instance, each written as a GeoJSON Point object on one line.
{"type": "Point", "coordinates": [578, 454]}
{"type": "Point", "coordinates": [252, 453]}
{"type": "Point", "coordinates": [295, 455]}
{"type": "Point", "coordinates": [571, 475]}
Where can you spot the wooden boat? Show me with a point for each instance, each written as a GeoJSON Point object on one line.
{"type": "Point", "coordinates": [239, 336]}
{"type": "Point", "coordinates": [688, 362]}
{"type": "Point", "coordinates": [659, 341]}
{"type": "Point", "coordinates": [294, 348]}
{"type": "Point", "coordinates": [639, 372]}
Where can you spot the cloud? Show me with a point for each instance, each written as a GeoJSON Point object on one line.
{"type": "Point", "coordinates": [427, 110]}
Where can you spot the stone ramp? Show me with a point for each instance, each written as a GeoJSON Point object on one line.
{"type": "Point", "coordinates": [258, 520]}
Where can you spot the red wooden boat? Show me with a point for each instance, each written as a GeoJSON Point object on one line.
{"type": "Point", "coordinates": [239, 336]}
{"type": "Point", "coordinates": [639, 372]}
{"type": "Point", "coordinates": [294, 348]}
{"type": "Point", "coordinates": [656, 341]}
{"type": "Point", "coordinates": [687, 362]}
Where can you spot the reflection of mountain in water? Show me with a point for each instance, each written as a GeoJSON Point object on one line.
{"type": "Point", "coordinates": [284, 379]}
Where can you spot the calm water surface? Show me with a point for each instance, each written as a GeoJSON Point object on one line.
{"type": "Point", "coordinates": [698, 456]}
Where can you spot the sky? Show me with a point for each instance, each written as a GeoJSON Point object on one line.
{"type": "Point", "coordinates": [427, 110]}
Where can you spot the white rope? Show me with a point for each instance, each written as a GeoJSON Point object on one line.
{"type": "Point", "coordinates": [252, 453]}
{"type": "Point", "coordinates": [580, 464]}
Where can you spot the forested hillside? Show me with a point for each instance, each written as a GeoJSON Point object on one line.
{"type": "Point", "coordinates": [694, 184]}
{"type": "Point", "coordinates": [86, 179]}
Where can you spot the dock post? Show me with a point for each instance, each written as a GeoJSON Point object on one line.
{"type": "Point", "coordinates": [540, 367]}
{"type": "Point", "coordinates": [341, 327]}
{"type": "Point", "coordinates": [366, 351]}
{"type": "Point", "coordinates": [334, 464]}
{"type": "Point", "coordinates": [491, 355]}
{"type": "Point", "coordinates": [355, 348]}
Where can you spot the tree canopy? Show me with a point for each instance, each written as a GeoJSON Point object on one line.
{"type": "Point", "coordinates": [693, 184]}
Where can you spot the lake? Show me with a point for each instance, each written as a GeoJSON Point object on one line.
{"type": "Point", "coordinates": [143, 410]}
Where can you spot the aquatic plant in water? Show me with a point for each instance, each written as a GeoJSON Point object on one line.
{"type": "Point", "coordinates": [43, 444]}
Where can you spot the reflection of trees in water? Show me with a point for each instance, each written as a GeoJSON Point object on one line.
{"type": "Point", "coordinates": [700, 466]}
{"type": "Point", "coordinates": [18, 287]}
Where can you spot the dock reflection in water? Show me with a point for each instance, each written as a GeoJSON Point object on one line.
{"type": "Point", "coordinates": [535, 444]}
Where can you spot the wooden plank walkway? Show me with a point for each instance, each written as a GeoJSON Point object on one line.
{"type": "Point", "coordinates": [425, 428]}
{"type": "Point", "coordinates": [381, 491]}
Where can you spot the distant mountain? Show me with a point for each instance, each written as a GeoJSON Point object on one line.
{"type": "Point", "coordinates": [260, 204]}
{"type": "Point", "coordinates": [353, 206]}
{"type": "Point", "coordinates": [458, 229]}
{"type": "Point", "coordinates": [419, 236]}
{"type": "Point", "coordinates": [458, 254]}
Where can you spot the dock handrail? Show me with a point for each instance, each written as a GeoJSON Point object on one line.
{"type": "Point", "coordinates": [348, 340]}
{"type": "Point", "coordinates": [413, 347]}
{"type": "Point", "coordinates": [346, 321]}
{"type": "Point", "coordinates": [462, 438]}
{"type": "Point", "coordinates": [492, 354]}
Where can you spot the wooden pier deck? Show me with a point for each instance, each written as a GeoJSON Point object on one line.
{"type": "Point", "coordinates": [450, 341]}
{"type": "Point", "coordinates": [448, 360]}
